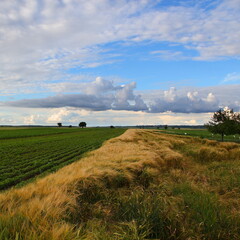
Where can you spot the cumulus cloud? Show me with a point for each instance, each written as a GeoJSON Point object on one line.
{"type": "Point", "coordinates": [102, 95]}
{"type": "Point", "coordinates": [64, 115]}
{"type": "Point", "coordinates": [189, 103]}
{"type": "Point", "coordinates": [99, 95]}
{"type": "Point", "coordinates": [195, 99]}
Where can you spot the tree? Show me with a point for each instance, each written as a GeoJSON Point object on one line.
{"type": "Point", "coordinates": [224, 122]}
{"type": "Point", "coordinates": [59, 124]}
{"type": "Point", "coordinates": [166, 127]}
{"type": "Point", "coordinates": [82, 124]}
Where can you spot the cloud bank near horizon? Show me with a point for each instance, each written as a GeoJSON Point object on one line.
{"type": "Point", "coordinates": [102, 95]}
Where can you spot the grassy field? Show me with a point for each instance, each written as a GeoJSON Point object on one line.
{"type": "Point", "coordinates": [203, 133]}
{"type": "Point", "coordinates": [141, 185]}
{"type": "Point", "coordinates": [29, 152]}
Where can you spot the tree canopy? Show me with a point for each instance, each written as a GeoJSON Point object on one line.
{"type": "Point", "coordinates": [82, 124]}
{"type": "Point", "coordinates": [224, 122]}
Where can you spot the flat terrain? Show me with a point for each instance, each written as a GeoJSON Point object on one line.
{"type": "Point", "coordinates": [203, 133]}
{"type": "Point", "coordinates": [141, 185]}
{"type": "Point", "coordinates": [29, 152]}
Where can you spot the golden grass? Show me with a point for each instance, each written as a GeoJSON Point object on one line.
{"type": "Point", "coordinates": [47, 203]}
{"type": "Point", "coordinates": [209, 154]}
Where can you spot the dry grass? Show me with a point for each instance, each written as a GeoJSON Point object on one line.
{"type": "Point", "coordinates": [209, 154]}
{"type": "Point", "coordinates": [52, 207]}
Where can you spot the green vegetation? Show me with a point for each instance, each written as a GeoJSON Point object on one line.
{"type": "Point", "coordinates": [27, 153]}
{"type": "Point", "coordinates": [22, 132]}
{"type": "Point", "coordinates": [203, 133]}
{"type": "Point", "coordinates": [224, 122]}
{"type": "Point", "coordinates": [141, 185]}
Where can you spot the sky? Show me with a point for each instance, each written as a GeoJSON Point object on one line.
{"type": "Point", "coordinates": [118, 62]}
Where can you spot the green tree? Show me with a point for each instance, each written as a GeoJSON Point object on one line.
{"type": "Point", "coordinates": [59, 124]}
{"type": "Point", "coordinates": [82, 124]}
{"type": "Point", "coordinates": [224, 122]}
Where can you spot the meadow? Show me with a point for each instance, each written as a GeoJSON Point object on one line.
{"type": "Point", "coordinates": [141, 185]}
{"type": "Point", "coordinates": [29, 152]}
{"type": "Point", "coordinates": [203, 133]}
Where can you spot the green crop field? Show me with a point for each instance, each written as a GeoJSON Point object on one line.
{"type": "Point", "coordinates": [20, 132]}
{"type": "Point", "coordinates": [203, 133]}
{"type": "Point", "coordinates": [29, 152]}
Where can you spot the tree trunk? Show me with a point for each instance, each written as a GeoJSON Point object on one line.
{"type": "Point", "coordinates": [222, 137]}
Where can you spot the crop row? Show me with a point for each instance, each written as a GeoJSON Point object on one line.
{"type": "Point", "coordinates": [34, 163]}
{"type": "Point", "coordinates": [26, 158]}
{"type": "Point", "coordinates": [33, 132]}
{"type": "Point", "coordinates": [34, 159]}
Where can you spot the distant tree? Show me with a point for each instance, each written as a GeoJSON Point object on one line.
{"type": "Point", "coordinates": [59, 124]}
{"type": "Point", "coordinates": [70, 126]}
{"type": "Point", "coordinates": [166, 127]}
{"type": "Point", "coordinates": [112, 127]}
{"type": "Point", "coordinates": [82, 124]}
{"type": "Point", "coordinates": [224, 122]}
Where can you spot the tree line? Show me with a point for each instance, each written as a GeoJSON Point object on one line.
{"type": "Point", "coordinates": [81, 124]}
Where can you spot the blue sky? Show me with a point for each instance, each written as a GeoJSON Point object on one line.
{"type": "Point", "coordinates": [122, 62]}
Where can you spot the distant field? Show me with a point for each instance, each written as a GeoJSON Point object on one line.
{"type": "Point", "coordinates": [19, 132]}
{"type": "Point", "coordinates": [28, 152]}
{"type": "Point", "coordinates": [203, 133]}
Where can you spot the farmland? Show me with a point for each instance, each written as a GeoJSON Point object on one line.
{"type": "Point", "coordinates": [29, 152]}
{"type": "Point", "coordinates": [23, 132]}
{"type": "Point", "coordinates": [141, 185]}
{"type": "Point", "coordinates": [203, 133]}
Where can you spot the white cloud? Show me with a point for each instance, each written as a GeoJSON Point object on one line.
{"type": "Point", "coordinates": [72, 116]}
{"type": "Point", "coordinates": [189, 102]}
{"type": "Point", "coordinates": [211, 98]}
{"type": "Point", "coordinates": [98, 95]}
{"type": "Point", "coordinates": [222, 95]}
{"type": "Point", "coordinates": [190, 122]}
{"type": "Point", "coordinates": [192, 95]}
{"type": "Point", "coordinates": [68, 115]}
{"type": "Point", "coordinates": [6, 120]}
{"type": "Point", "coordinates": [170, 95]}
{"type": "Point", "coordinates": [232, 77]}
{"type": "Point", "coordinates": [39, 40]}
{"type": "Point", "coordinates": [170, 55]}
{"type": "Point", "coordinates": [102, 94]}
{"type": "Point", "coordinates": [33, 119]}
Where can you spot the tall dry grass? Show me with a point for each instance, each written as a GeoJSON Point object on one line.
{"type": "Point", "coordinates": [78, 200]}
{"type": "Point", "coordinates": [45, 204]}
